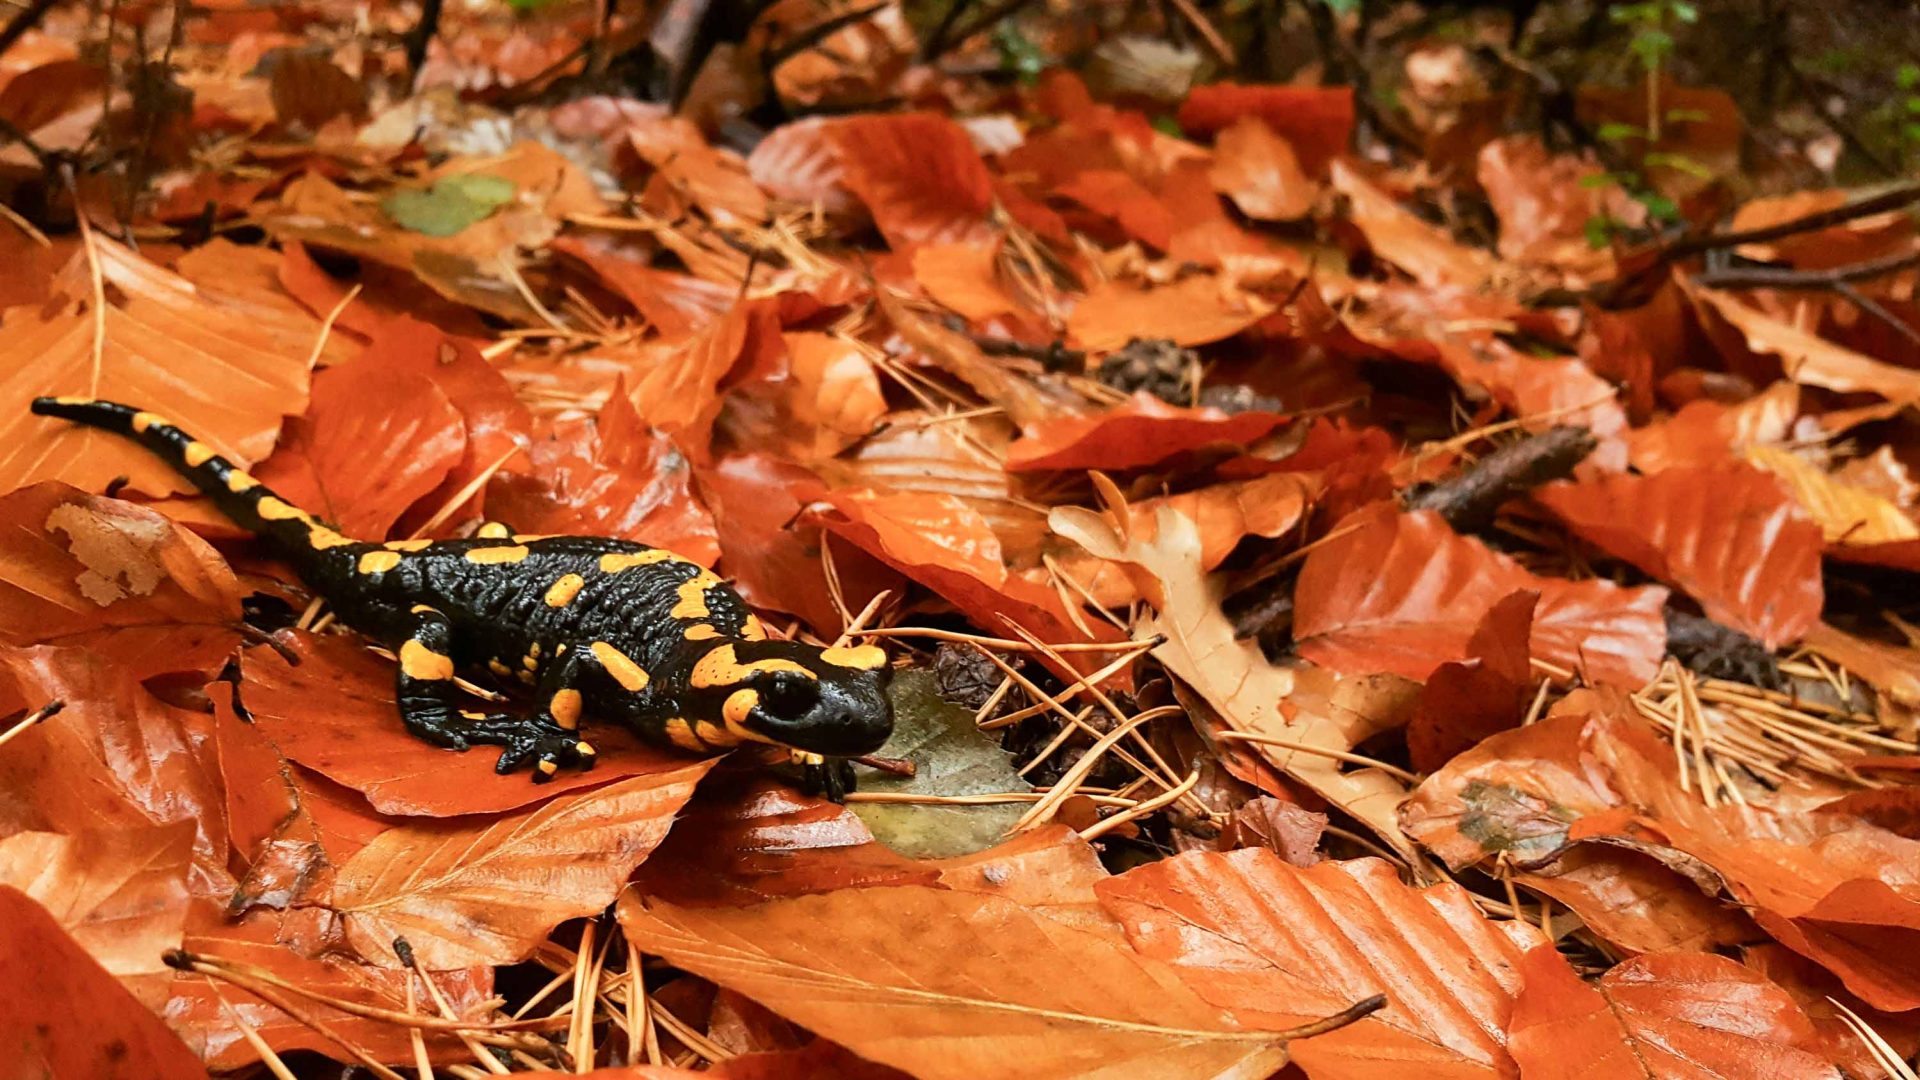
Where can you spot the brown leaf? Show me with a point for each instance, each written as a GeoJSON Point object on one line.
{"type": "Point", "coordinates": [1677, 1015]}
{"type": "Point", "coordinates": [488, 893]}
{"type": "Point", "coordinates": [1811, 360]}
{"type": "Point", "coordinates": [678, 305]}
{"type": "Point", "coordinates": [1192, 311]}
{"type": "Point", "coordinates": [333, 711]}
{"type": "Point", "coordinates": [374, 440]}
{"type": "Point", "coordinates": [1316, 120]}
{"type": "Point", "coordinates": [1259, 172]}
{"type": "Point", "coordinates": [1728, 536]}
{"type": "Point", "coordinates": [1141, 431]}
{"type": "Point", "coordinates": [44, 1027]}
{"type": "Point", "coordinates": [1846, 514]}
{"type": "Point", "coordinates": [121, 894]}
{"type": "Point", "coordinates": [964, 278]}
{"type": "Point", "coordinates": [1466, 702]}
{"type": "Point", "coordinates": [1544, 202]}
{"type": "Point", "coordinates": [974, 991]}
{"type": "Point", "coordinates": [114, 578]}
{"type": "Point", "coordinates": [1269, 940]}
{"type": "Point", "coordinates": [225, 374]}
{"type": "Point", "coordinates": [1424, 251]}
{"type": "Point", "coordinates": [1403, 592]}
{"type": "Point", "coordinates": [919, 176]}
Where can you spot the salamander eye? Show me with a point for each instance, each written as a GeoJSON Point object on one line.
{"type": "Point", "coordinates": [786, 696]}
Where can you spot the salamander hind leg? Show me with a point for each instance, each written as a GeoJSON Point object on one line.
{"type": "Point", "coordinates": [428, 706]}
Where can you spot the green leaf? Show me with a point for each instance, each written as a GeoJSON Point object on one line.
{"type": "Point", "coordinates": [1600, 180]}
{"type": "Point", "coordinates": [1599, 231]}
{"type": "Point", "coordinates": [1685, 11]}
{"type": "Point", "coordinates": [1343, 7]}
{"type": "Point", "coordinates": [1659, 207]}
{"type": "Point", "coordinates": [1907, 76]}
{"type": "Point", "coordinates": [450, 205]}
{"type": "Point", "coordinates": [951, 757]}
{"type": "Point", "coordinates": [1687, 116]}
{"type": "Point", "coordinates": [1613, 131]}
{"type": "Point", "coordinates": [1168, 124]}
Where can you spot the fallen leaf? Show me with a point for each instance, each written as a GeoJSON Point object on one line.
{"type": "Point", "coordinates": [1139, 432]}
{"type": "Point", "coordinates": [1846, 514]}
{"type": "Point", "coordinates": [1424, 251]}
{"type": "Point", "coordinates": [1316, 120]}
{"type": "Point", "coordinates": [964, 278]}
{"type": "Point", "coordinates": [120, 894]}
{"type": "Point", "coordinates": [162, 345]}
{"type": "Point", "coordinates": [1466, 702]}
{"type": "Point", "coordinates": [1192, 311]}
{"type": "Point", "coordinates": [1674, 1015]}
{"type": "Point", "coordinates": [488, 893]}
{"type": "Point", "coordinates": [1728, 536]}
{"type": "Point", "coordinates": [44, 1030]}
{"type": "Point", "coordinates": [918, 175]}
{"type": "Point", "coordinates": [1808, 359]}
{"type": "Point", "coordinates": [330, 707]}
{"type": "Point", "coordinates": [108, 576]}
{"type": "Point", "coordinates": [1260, 173]}
{"type": "Point", "coordinates": [974, 992]}
{"type": "Point", "coordinates": [1403, 592]}
{"type": "Point", "coordinates": [1272, 941]}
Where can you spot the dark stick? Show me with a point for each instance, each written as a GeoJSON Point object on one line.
{"type": "Point", "coordinates": [936, 42]}
{"type": "Point", "coordinates": [419, 37]}
{"type": "Point", "coordinates": [984, 21]}
{"type": "Point", "coordinates": [1469, 498]}
{"type": "Point", "coordinates": [1773, 277]}
{"type": "Point", "coordinates": [1892, 199]}
{"type": "Point", "coordinates": [27, 19]}
{"type": "Point", "coordinates": [818, 32]}
{"type": "Point", "coordinates": [1721, 652]}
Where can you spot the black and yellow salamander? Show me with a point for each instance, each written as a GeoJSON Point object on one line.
{"type": "Point", "coordinates": [597, 627]}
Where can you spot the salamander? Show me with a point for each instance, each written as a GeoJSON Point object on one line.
{"type": "Point", "coordinates": [593, 626]}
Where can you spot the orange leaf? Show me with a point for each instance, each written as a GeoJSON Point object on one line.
{"type": "Point", "coordinates": [120, 893]}
{"type": "Point", "coordinates": [1192, 311]}
{"type": "Point", "coordinates": [224, 374]}
{"type": "Point", "coordinates": [829, 399]}
{"type": "Point", "coordinates": [464, 893]}
{"type": "Point", "coordinates": [114, 578]}
{"type": "Point", "coordinates": [1403, 592]}
{"type": "Point", "coordinates": [818, 1060]}
{"type": "Point", "coordinates": [45, 1031]}
{"type": "Point", "coordinates": [375, 439]}
{"type": "Point", "coordinates": [1466, 702]}
{"type": "Point", "coordinates": [964, 278]}
{"type": "Point", "coordinates": [1728, 536]}
{"type": "Point", "coordinates": [1259, 172]}
{"type": "Point", "coordinates": [1114, 194]}
{"type": "Point", "coordinates": [1272, 942]}
{"type": "Point", "coordinates": [919, 176]}
{"type": "Point", "coordinates": [1426, 252]}
{"type": "Point", "coordinates": [680, 393]}
{"type": "Point", "coordinates": [1544, 202]}
{"type": "Point", "coordinates": [677, 304]}
{"type": "Point", "coordinates": [975, 991]}
{"type": "Point", "coordinates": [1143, 430]}
{"type": "Point", "coordinates": [1811, 360]}
{"type": "Point", "coordinates": [610, 476]}
{"type": "Point", "coordinates": [1679, 1016]}
{"type": "Point", "coordinates": [198, 1009]}
{"type": "Point", "coordinates": [799, 163]}
{"type": "Point", "coordinates": [333, 711]}
{"type": "Point", "coordinates": [1318, 121]}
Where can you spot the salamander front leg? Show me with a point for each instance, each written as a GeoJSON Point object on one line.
{"type": "Point", "coordinates": [428, 698]}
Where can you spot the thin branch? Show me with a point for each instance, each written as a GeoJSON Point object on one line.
{"type": "Point", "coordinates": [1777, 277]}
{"type": "Point", "coordinates": [27, 19]}
{"type": "Point", "coordinates": [819, 32]}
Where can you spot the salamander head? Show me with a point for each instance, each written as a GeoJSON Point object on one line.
{"type": "Point", "coordinates": [824, 701]}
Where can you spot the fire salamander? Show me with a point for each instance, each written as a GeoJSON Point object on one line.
{"type": "Point", "coordinates": [596, 626]}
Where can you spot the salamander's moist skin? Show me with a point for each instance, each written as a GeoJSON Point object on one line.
{"type": "Point", "coordinates": [600, 627]}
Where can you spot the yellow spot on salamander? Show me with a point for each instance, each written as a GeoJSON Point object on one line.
{"type": "Point", "coordinates": [614, 563]}
{"type": "Point", "coordinates": [700, 632]}
{"type": "Point", "coordinates": [549, 768]}
{"type": "Point", "coordinates": [858, 657]}
{"type": "Point", "coordinates": [494, 665]}
{"type": "Point", "coordinates": [142, 420]}
{"type": "Point", "coordinates": [491, 555]}
{"type": "Point", "coordinates": [471, 715]}
{"type": "Point", "coordinates": [322, 538]}
{"type": "Point", "coordinates": [419, 662]}
{"type": "Point", "coordinates": [693, 596]}
{"type": "Point", "coordinates": [565, 708]}
{"type": "Point", "coordinates": [752, 630]}
{"type": "Point", "coordinates": [492, 530]}
{"type": "Point", "coordinates": [721, 667]}
{"type": "Point", "coordinates": [680, 734]}
{"type": "Point", "coordinates": [239, 481]}
{"type": "Point", "coordinates": [407, 545]}
{"type": "Point", "coordinates": [621, 666]}
{"type": "Point", "coordinates": [532, 538]}
{"type": "Point", "coordinates": [585, 749]}
{"type": "Point", "coordinates": [715, 735]}
{"type": "Point", "coordinates": [527, 677]}
{"type": "Point", "coordinates": [531, 662]}
{"type": "Point", "coordinates": [196, 454]}
{"type": "Point", "coordinates": [419, 608]}
{"type": "Point", "coordinates": [378, 562]}
{"type": "Point", "coordinates": [276, 509]}
{"type": "Point", "coordinates": [734, 713]}
{"type": "Point", "coordinates": [562, 592]}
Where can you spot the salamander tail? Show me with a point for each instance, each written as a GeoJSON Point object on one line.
{"type": "Point", "coordinates": [238, 495]}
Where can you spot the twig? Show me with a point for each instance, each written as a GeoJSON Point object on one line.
{"type": "Point", "coordinates": [936, 42]}
{"type": "Point", "coordinates": [43, 712]}
{"type": "Point", "coordinates": [418, 38]}
{"type": "Point", "coordinates": [1892, 199]}
{"type": "Point", "coordinates": [27, 19]}
{"type": "Point", "coordinates": [1469, 499]}
{"type": "Point", "coordinates": [1775, 277]}
{"type": "Point", "coordinates": [984, 21]}
{"type": "Point", "coordinates": [817, 33]}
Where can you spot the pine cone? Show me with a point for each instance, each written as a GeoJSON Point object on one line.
{"type": "Point", "coordinates": [1155, 365]}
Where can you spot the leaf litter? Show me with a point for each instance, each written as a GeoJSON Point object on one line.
{"type": "Point", "coordinates": [1373, 590]}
